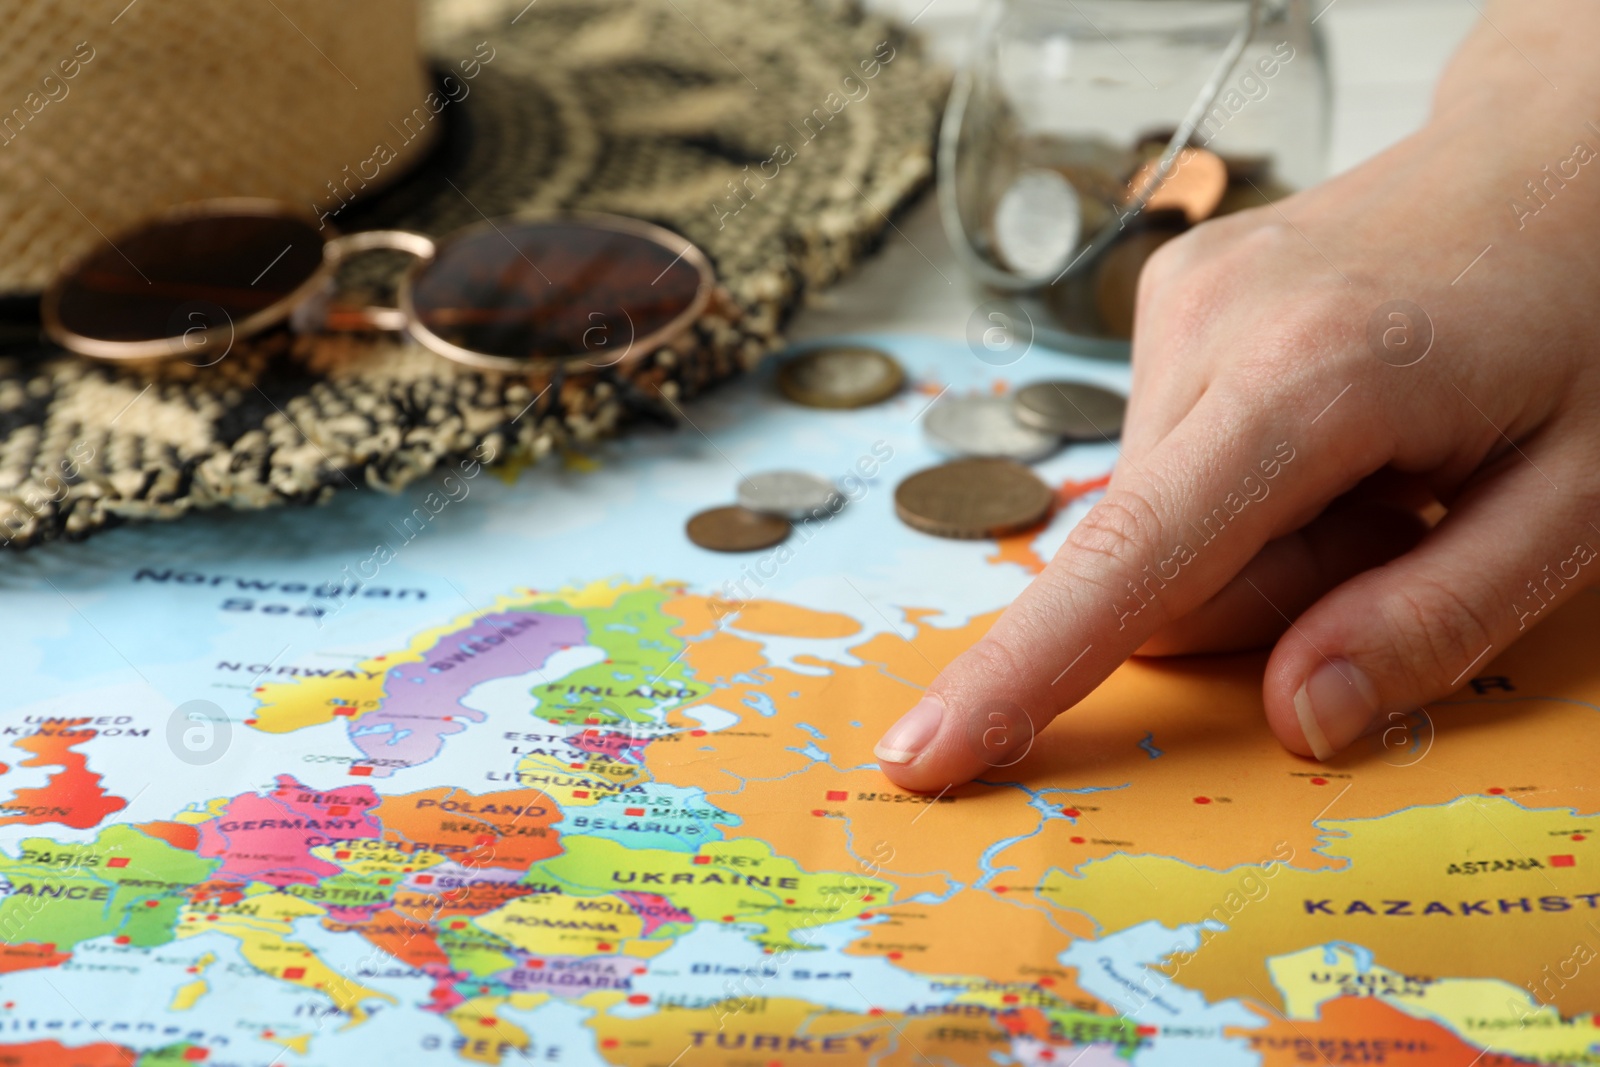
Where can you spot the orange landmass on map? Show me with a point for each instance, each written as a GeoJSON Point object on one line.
{"type": "Point", "coordinates": [55, 1054]}
{"type": "Point", "coordinates": [1354, 1030]}
{"type": "Point", "coordinates": [405, 938]}
{"type": "Point", "coordinates": [73, 795]}
{"type": "Point", "coordinates": [177, 834]}
{"type": "Point", "coordinates": [1168, 758]}
{"type": "Point", "coordinates": [510, 828]}
{"type": "Point", "coordinates": [28, 955]}
{"type": "Point", "coordinates": [789, 620]}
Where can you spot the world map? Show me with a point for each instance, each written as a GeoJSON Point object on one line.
{"type": "Point", "coordinates": [503, 770]}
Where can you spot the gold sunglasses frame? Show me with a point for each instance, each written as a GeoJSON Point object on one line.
{"type": "Point", "coordinates": [404, 318]}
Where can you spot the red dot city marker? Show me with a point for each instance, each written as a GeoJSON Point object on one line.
{"type": "Point", "coordinates": [1496, 791]}
{"type": "Point", "coordinates": [1071, 813]}
{"type": "Point", "coordinates": [424, 879]}
{"type": "Point", "coordinates": [1009, 998]}
{"type": "Point", "coordinates": [536, 963]}
{"type": "Point", "coordinates": [633, 811]}
{"type": "Point", "coordinates": [1319, 781]}
{"type": "Point", "coordinates": [123, 939]}
{"type": "Point", "coordinates": [874, 1011]}
{"type": "Point", "coordinates": [1202, 800]}
{"type": "Point", "coordinates": [195, 1055]}
{"type": "Point", "coordinates": [895, 955]}
{"type": "Point", "coordinates": [1577, 837]}
{"type": "Point", "coordinates": [488, 1020]}
{"type": "Point", "coordinates": [999, 889]}
{"type": "Point", "coordinates": [641, 970]}
{"type": "Point", "coordinates": [608, 1042]}
{"type": "Point", "coordinates": [360, 771]}
{"type": "Point", "coordinates": [342, 854]}
{"type": "Point", "coordinates": [697, 733]}
{"type": "Point", "coordinates": [819, 813]}
{"type": "Point", "coordinates": [250, 722]}
{"type": "Point", "coordinates": [581, 794]}
{"type": "Point", "coordinates": [702, 859]}
{"type": "Point", "coordinates": [603, 946]}
{"type": "Point", "coordinates": [1077, 840]}
{"type": "Point", "coordinates": [117, 861]}
{"type": "Point", "coordinates": [152, 903]}
{"type": "Point", "coordinates": [638, 998]}
{"type": "Point", "coordinates": [291, 974]}
{"type": "Point", "coordinates": [1047, 981]}
{"type": "Point", "coordinates": [838, 794]}
{"type": "Point", "coordinates": [1563, 861]}
{"type": "Point", "coordinates": [339, 809]}
{"type": "Point", "coordinates": [1147, 1031]}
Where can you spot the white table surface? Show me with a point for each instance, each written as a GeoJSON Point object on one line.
{"type": "Point", "coordinates": [1384, 57]}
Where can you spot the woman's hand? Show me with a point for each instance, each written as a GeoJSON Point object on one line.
{"type": "Point", "coordinates": [1310, 380]}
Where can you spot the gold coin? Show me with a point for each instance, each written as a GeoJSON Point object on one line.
{"type": "Point", "coordinates": [973, 498]}
{"type": "Point", "coordinates": [736, 529]}
{"type": "Point", "coordinates": [1116, 283]}
{"type": "Point", "coordinates": [1194, 185]}
{"type": "Point", "coordinates": [844, 376]}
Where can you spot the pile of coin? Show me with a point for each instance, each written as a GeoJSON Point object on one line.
{"type": "Point", "coordinates": [768, 503]}
{"type": "Point", "coordinates": [1071, 190]}
{"type": "Point", "coordinates": [988, 492]}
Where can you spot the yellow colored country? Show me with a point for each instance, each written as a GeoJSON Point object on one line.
{"type": "Point", "coordinates": [1477, 888]}
{"type": "Point", "coordinates": [1490, 1013]}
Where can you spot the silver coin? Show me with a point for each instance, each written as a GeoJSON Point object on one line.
{"type": "Point", "coordinates": [984, 426]}
{"type": "Point", "coordinates": [1037, 223]}
{"type": "Point", "coordinates": [790, 494]}
{"type": "Point", "coordinates": [1077, 411]}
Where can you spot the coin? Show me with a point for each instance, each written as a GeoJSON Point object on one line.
{"type": "Point", "coordinates": [983, 426]}
{"type": "Point", "coordinates": [1077, 411]}
{"type": "Point", "coordinates": [788, 494]}
{"type": "Point", "coordinates": [1037, 223]}
{"type": "Point", "coordinates": [736, 529]}
{"type": "Point", "coordinates": [973, 498]}
{"type": "Point", "coordinates": [1116, 283]}
{"type": "Point", "coordinates": [1194, 185]}
{"type": "Point", "coordinates": [844, 376]}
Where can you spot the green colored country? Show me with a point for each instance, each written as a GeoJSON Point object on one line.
{"type": "Point", "coordinates": [738, 881]}
{"type": "Point", "coordinates": [124, 883]}
{"type": "Point", "coordinates": [642, 670]}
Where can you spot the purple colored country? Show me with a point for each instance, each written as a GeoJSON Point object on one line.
{"type": "Point", "coordinates": [422, 701]}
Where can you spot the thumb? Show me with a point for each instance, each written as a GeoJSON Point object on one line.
{"type": "Point", "coordinates": [1394, 638]}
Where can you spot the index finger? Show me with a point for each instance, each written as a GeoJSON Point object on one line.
{"type": "Point", "coordinates": [1173, 528]}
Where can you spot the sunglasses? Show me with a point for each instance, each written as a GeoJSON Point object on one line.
{"type": "Point", "coordinates": [573, 291]}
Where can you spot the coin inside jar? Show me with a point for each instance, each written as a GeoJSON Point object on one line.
{"type": "Point", "coordinates": [1037, 223]}
{"type": "Point", "coordinates": [736, 529]}
{"type": "Point", "coordinates": [791, 495]}
{"type": "Point", "coordinates": [1077, 411]}
{"type": "Point", "coordinates": [973, 498]}
{"type": "Point", "coordinates": [984, 426]}
{"type": "Point", "coordinates": [844, 376]}
{"type": "Point", "coordinates": [1194, 184]}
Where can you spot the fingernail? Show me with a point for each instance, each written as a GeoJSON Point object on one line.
{"type": "Point", "coordinates": [907, 738]}
{"type": "Point", "coordinates": [1335, 706]}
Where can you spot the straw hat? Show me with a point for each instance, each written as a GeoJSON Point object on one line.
{"type": "Point", "coordinates": [112, 111]}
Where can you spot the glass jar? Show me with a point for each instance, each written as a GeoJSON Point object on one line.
{"type": "Point", "coordinates": [1082, 134]}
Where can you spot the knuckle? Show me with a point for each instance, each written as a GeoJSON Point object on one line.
{"type": "Point", "coordinates": [1115, 531]}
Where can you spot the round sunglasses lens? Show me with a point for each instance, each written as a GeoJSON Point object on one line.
{"type": "Point", "coordinates": [187, 277]}
{"type": "Point", "coordinates": [554, 289]}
